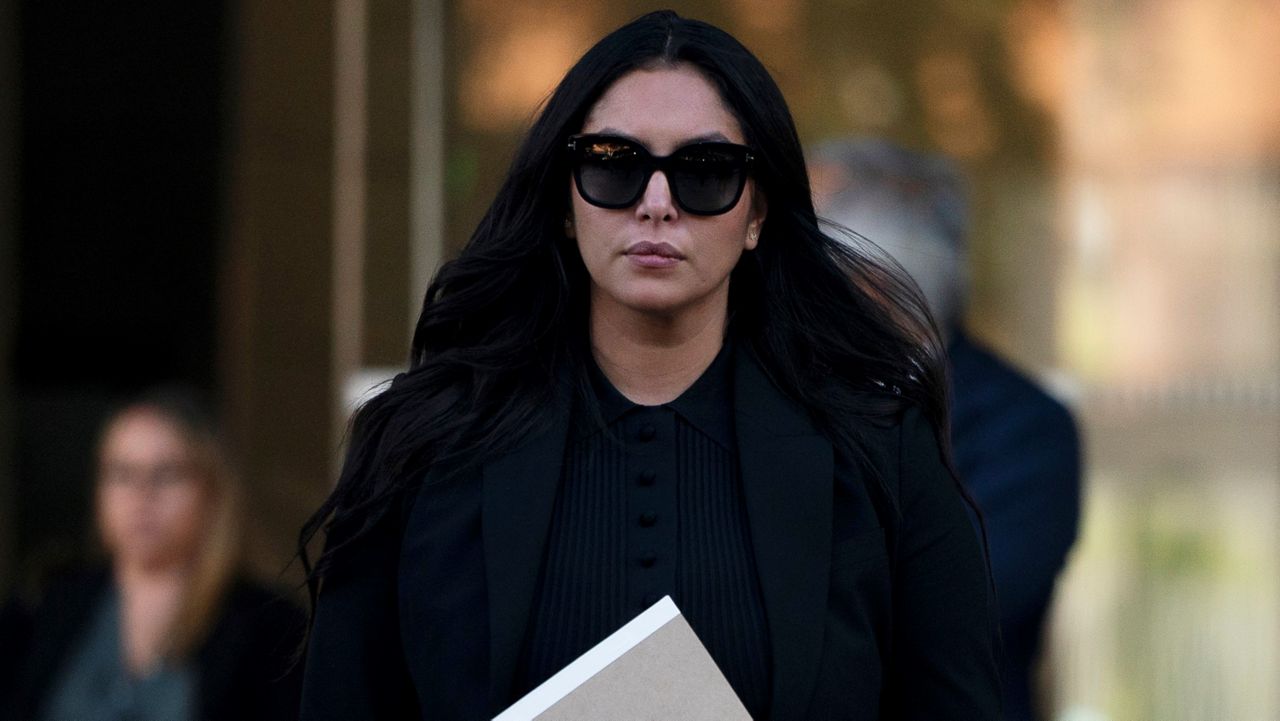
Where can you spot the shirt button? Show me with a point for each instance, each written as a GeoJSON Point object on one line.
{"type": "Point", "coordinates": [647, 432]}
{"type": "Point", "coordinates": [647, 560]}
{"type": "Point", "coordinates": [648, 519]}
{"type": "Point", "coordinates": [647, 477]}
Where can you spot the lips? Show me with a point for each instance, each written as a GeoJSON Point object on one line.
{"type": "Point", "coordinates": [661, 250]}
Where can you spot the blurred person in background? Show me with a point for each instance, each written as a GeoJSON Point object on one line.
{"type": "Point", "coordinates": [648, 374]}
{"type": "Point", "coordinates": [169, 628]}
{"type": "Point", "coordinates": [1015, 447]}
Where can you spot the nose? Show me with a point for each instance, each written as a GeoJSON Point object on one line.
{"type": "Point", "coordinates": [657, 203]}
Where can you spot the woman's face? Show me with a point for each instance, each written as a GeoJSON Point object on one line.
{"type": "Point", "coordinates": [654, 257]}
{"type": "Point", "coordinates": [152, 495]}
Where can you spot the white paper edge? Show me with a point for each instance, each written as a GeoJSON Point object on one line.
{"type": "Point", "coordinates": [592, 662]}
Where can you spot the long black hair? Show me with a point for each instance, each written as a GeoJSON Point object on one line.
{"type": "Point", "coordinates": [837, 331]}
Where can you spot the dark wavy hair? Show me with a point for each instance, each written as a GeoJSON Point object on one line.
{"type": "Point", "coordinates": [839, 332]}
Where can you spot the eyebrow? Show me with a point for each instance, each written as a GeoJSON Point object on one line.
{"type": "Point", "coordinates": [713, 136]}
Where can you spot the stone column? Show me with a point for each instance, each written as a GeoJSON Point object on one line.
{"type": "Point", "coordinates": [275, 331]}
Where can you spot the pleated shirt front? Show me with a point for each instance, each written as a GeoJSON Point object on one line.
{"type": "Point", "coordinates": [651, 504]}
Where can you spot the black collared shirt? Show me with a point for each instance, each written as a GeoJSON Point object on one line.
{"type": "Point", "coordinates": [651, 504]}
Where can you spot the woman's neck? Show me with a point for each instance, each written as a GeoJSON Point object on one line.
{"type": "Point", "coordinates": [149, 603]}
{"type": "Point", "coordinates": [652, 359]}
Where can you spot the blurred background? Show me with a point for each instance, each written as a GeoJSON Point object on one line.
{"type": "Point", "coordinates": [251, 196]}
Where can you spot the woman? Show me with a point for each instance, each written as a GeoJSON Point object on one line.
{"type": "Point", "coordinates": [170, 630]}
{"type": "Point", "coordinates": [648, 373]}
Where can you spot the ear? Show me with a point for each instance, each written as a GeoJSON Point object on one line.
{"type": "Point", "coordinates": [570, 231]}
{"type": "Point", "coordinates": [755, 219]}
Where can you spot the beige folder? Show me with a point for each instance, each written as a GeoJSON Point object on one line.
{"type": "Point", "coordinates": [652, 668]}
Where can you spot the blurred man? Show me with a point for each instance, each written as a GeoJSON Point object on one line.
{"type": "Point", "coordinates": [1015, 447]}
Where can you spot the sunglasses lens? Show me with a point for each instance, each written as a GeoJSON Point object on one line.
{"type": "Point", "coordinates": [611, 173]}
{"type": "Point", "coordinates": [708, 179]}
{"type": "Point", "coordinates": [705, 178]}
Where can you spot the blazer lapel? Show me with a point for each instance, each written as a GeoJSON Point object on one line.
{"type": "Point", "coordinates": [787, 477]}
{"type": "Point", "coordinates": [519, 497]}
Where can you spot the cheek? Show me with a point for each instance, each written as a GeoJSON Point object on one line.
{"type": "Point", "coordinates": [726, 241]}
{"type": "Point", "coordinates": [183, 511]}
{"type": "Point", "coordinates": [114, 509]}
{"type": "Point", "coordinates": [592, 233]}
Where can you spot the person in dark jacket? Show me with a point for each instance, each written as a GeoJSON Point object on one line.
{"type": "Point", "coordinates": [169, 628]}
{"type": "Point", "coordinates": [1016, 448]}
{"type": "Point", "coordinates": [649, 374]}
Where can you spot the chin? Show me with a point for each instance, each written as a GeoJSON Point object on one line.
{"type": "Point", "coordinates": [657, 296]}
{"type": "Point", "coordinates": [149, 555]}
{"type": "Point", "coordinates": [656, 302]}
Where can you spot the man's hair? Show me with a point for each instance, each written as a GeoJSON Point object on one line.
{"type": "Point", "coordinates": [911, 205]}
{"type": "Point", "coordinates": [878, 171]}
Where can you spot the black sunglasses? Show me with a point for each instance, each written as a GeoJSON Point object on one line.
{"type": "Point", "coordinates": [705, 178]}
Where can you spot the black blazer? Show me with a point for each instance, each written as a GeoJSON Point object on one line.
{"type": "Point", "coordinates": [245, 668]}
{"type": "Point", "coordinates": [426, 617]}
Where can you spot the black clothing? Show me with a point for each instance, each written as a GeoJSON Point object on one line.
{"type": "Point", "coordinates": [1018, 452]}
{"type": "Point", "coordinates": [244, 668]}
{"type": "Point", "coordinates": [15, 633]}
{"type": "Point", "coordinates": [651, 505]}
{"type": "Point", "coordinates": [426, 617]}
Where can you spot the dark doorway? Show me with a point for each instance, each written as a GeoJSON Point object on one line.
{"type": "Point", "coordinates": [122, 123]}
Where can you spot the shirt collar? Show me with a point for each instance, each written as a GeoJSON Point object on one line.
{"type": "Point", "coordinates": [707, 405]}
{"type": "Point", "coordinates": [613, 405]}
